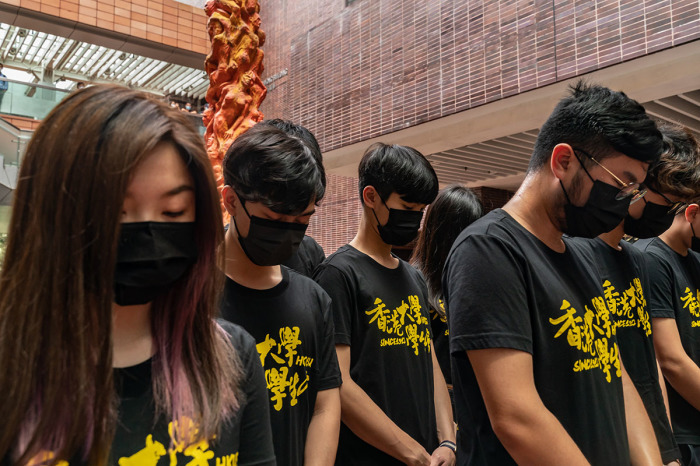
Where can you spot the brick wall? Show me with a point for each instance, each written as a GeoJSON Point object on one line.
{"type": "Point", "coordinates": [163, 21]}
{"type": "Point", "coordinates": [338, 217]}
{"type": "Point", "coordinates": [377, 66]}
{"type": "Point", "coordinates": [492, 198]}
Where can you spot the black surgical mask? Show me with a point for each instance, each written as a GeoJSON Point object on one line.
{"type": "Point", "coordinates": [655, 219]}
{"type": "Point", "coordinates": [151, 256]}
{"type": "Point", "coordinates": [601, 213]}
{"type": "Point", "coordinates": [401, 227]}
{"type": "Point", "coordinates": [270, 242]}
{"type": "Point", "coordinates": [694, 241]}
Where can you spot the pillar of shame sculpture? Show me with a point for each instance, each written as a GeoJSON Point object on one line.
{"type": "Point", "coordinates": [234, 66]}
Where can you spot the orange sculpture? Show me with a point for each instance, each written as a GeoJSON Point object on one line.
{"type": "Point", "coordinates": [234, 66]}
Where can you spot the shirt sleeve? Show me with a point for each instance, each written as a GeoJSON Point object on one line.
{"type": "Point", "coordinates": [329, 371]}
{"type": "Point", "coordinates": [485, 297]}
{"type": "Point", "coordinates": [660, 287]}
{"type": "Point", "coordinates": [256, 447]}
{"type": "Point", "coordinates": [338, 287]}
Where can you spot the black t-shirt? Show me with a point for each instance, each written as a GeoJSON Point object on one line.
{"type": "Point", "coordinates": [383, 315]}
{"type": "Point", "coordinates": [504, 288]}
{"type": "Point", "coordinates": [244, 439]}
{"type": "Point", "coordinates": [307, 257]}
{"type": "Point", "coordinates": [674, 294]}
{"type": "Point", "coordinates": [293, 328]}
{"type": "Point", "coordinates": [441, 340]}
{"type": "Point", "coordinates": [626, 287]}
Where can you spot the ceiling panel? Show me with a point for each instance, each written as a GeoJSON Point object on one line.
{"type": "Point", "coordinates": [79, 61]}
{"type": "Point", "coordinates": [487, 161]}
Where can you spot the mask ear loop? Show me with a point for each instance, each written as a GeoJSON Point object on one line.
{"type": "Point", "coordinates": [235, 224]}
{"type": "Point", "coordinates": [693, 230]}
{"type": "Point", "coordinates": [563, 189]}
{"type": "Point", "coordinates": [375, 213]}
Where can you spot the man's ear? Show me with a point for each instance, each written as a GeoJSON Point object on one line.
{"type": "Point", "coordinates": [230, 199]}
{"type": "Point", "coordinates": [691, 212]}
{"type": "Point", "coordinates": [370, 197]}
{"type": "Point", "coordinates": [561, 161]}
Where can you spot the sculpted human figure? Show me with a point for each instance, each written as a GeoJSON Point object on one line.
{"type": "Point", "coordinates": [234, 66]}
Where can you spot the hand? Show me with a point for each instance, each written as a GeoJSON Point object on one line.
{"type": "Point", "coordinates": [443, 456]}
{"type": "Point", "coordinates": [417, 456]}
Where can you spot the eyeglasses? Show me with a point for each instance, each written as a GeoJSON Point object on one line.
{"type": "Point", "coordinates": [673, 207]}
{"type": "Point", "coordinates": [634, 191]}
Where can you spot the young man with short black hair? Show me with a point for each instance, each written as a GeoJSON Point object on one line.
{"type": "Point", "coordinates": [536, 369]}
{"type": "Point", "coordinates": [674, 271]}
{"type": "Point", "coordinates": [273, 180]}
{"type": "Point", "coordinates": [625, 277]}
{"type": "Point", "coordinates": [310, 253]}
{"type": "Point", "coordinates": [395, 405]}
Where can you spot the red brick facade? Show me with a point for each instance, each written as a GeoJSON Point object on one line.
{"type": "Point", "coordinates": [377, 66]}
{"type": "Point", "coordinates": [338, 217]}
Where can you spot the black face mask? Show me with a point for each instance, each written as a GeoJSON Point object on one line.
{"type": "Point", "coordinates": [601, 213]}
{"type": "Point", "coordinates": [150, 258]}
{"type": "Point", "coordinates": [655, 219]}
{"type": "Point", "coordinates": [695, 241]}
{"type": "Point", "coordinates": [401, 227]}
{"type": "Point", "coordinates": [270, 242]}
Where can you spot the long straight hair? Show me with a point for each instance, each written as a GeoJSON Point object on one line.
{"type": "Point", "coordinates": [454, 209]}
{"type": "Point", "coordinates": [56, 284]}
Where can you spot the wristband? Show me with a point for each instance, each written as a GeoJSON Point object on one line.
{"type": "Point", "coordinates": [449, 444]}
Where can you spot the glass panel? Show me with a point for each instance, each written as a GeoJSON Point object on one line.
{"type": "Point", "coordinates": [28, 100]}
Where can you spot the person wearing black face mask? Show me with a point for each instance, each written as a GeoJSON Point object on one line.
{"type": "Point", "coordinates": [274, 178]}
{"type": "Point", "coordinates": [396, 408]}
{"type": "Point", "coordinates": [675, 310]}
{"type": "Point", "coordinates": [624, 273]}
{"type": "Point", "coordinates": [673, 183]}
{"type": "Point", "coordinates": [532, 339]}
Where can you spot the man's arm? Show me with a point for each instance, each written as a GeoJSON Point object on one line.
{"type": "Point", "coordinates": [526, 428]}
{"type": "Point", "coordinates": [443, 416]}
{"type": "Point", "coordinates": [370, 423]}
{"type": "Point", "coordinates": [644, 448]}
{"type": "Point", "coordinates": [681, 372]}
{"type": "Point", "coordinates": [664, 391]}
{"type": "Point", "coordinates": [322, 437]}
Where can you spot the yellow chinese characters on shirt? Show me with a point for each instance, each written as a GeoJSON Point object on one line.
{"type": "Point", "coordinates": [629, 307]}
{"type": "Point", "coordinates": [435, 315]}
{"type": "Point", "coordinates": [590, 332]}
{"type": "Point", "coordinates": [691, 302]}
{"type": "Point", "coordinates": [286, 371]}
{"type": "Point", "coordinates": [404, 326]}
{"type": "Point", "coordinates": [183, 441]}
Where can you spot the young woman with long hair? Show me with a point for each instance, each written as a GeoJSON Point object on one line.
{"type": "Point", "coordinates": [453, 210]}
{"type": "Point", "coordinates": [108, 345]}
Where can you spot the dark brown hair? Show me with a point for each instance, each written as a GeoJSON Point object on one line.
{"type": "Point", "coordinates": [678, 170]}
{"type": "Point", "coordinates": [56, 285]}
{"type": "Point", "coordinates": [453, 210]}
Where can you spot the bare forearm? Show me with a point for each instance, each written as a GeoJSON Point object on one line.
{"type": "Point", "coordinates": [644, 448]}
{"type": "Point", "coordinates": [664, 391]}
{"type": "Point", "coordinates": [322, 436]}
{"type": "Point", "coordinates": [684, 376]}
{"type": "Point", "coordinates": [366, 420]}
{"type": "Point", "coordinates": [539, 439]}
{"type": "Point", "coordinates": [443, 405]}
